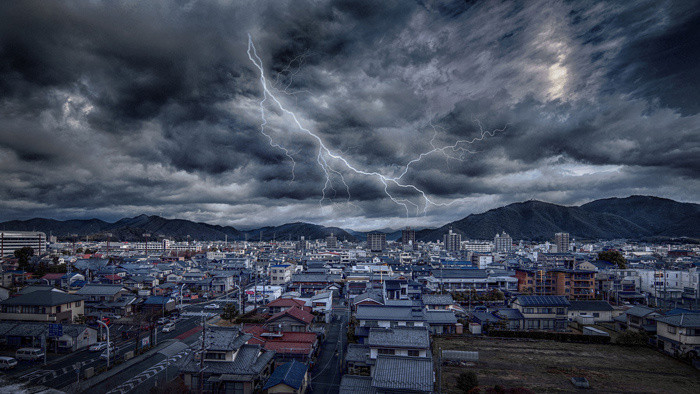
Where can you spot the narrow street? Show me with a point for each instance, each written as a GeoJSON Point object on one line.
{"type": "Point", "coordinates": [326, 374]}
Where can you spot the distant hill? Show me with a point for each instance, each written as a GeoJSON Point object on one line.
{"type": "Point", "coordinates": [132, 229]}
{"type": "Point", "coordinates": [633, 217]}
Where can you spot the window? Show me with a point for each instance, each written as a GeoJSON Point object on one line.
{"type": "Point", "coordinates": [529, 310]}
{"type": "Point", "coordinates": [386, 351]}
{"type": "Point", "coordinates": [596, 314]}
{"type": "Point", "coordinates": [414, 353]}
{"type": "Point", "coordinates": [671, 329]}
{"type": "Point", "coordinates": [560, 311]}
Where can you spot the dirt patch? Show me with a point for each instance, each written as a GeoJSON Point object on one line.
{"type": "Point", "coordinates": [547, 366]}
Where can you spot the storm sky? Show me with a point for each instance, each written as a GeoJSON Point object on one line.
{"type": "Point", "coordinates": [111, 109]}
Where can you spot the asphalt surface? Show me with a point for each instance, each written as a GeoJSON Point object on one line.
{"type": "Point", "coordinates": [326, 373]}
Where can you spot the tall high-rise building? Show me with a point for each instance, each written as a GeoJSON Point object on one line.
{"type": "Point", "coordinates": [331, 241]}
{"type": "Point", "coordinates": [502, 243]}
{"type": "Point", "coordinates": [408, 237]}
{"type": "Point", "coordinates": [13, 240]}
{"type": "Point", "coordinates": [452, 241]}
{"type": "Point", "coordinates": [376, 242]}
{"type": "Point", "coordinates": [562, 242]}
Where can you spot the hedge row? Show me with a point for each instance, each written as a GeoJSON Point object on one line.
{"type": "Point", "coordinates": [556, 336]}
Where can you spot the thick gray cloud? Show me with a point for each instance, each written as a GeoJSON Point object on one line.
{"type": "Point", "coordinates": [119, 108]}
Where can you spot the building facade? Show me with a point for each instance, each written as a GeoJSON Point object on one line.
{"type": "Point", "coordinates": [14, 240]}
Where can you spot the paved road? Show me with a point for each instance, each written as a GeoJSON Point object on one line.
{"type": "Point", "coordinates": [62, 371]}
{"type": "Point", "coordinates": [326, 374]}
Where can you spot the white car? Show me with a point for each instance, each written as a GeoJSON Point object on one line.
{"type": "Point", "coordinates": [211, 306]}
{"type": "Point", "coordinates": [169, 327]}
{"type": "Point", "coordinates": [163, 320]}
{"type": "Point", "coordinates": [7, 362]}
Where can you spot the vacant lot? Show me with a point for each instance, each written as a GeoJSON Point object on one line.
{"type": "Point", "coordinates": [547, 366]}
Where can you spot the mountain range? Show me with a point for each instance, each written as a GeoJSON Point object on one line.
{"type": "Point", "coordinates": [634, 217]}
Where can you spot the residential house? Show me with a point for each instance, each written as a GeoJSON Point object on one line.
{"type": "Point", "coordinates": [640, 318]}
{"type": "Point", "coordinates": [437, 301]}
{"type": "Point", "coordinates": [101, 299]}
{"type": "Point", "coordinates": [282, 304]}
{"type": "Point", "coordinates": [288, 378]}
{"type": "Point", "coordinates": [293, 320]}
{"type": "Point", "coordinates": [230, 365]}
{"type": "Point", "coordinates": [441, 321]}
{"type": "Point", "coordinates": [679, 334]}
{"type": "Point", "coordinates": [393, 374]}
{"type": "Point", "coordinates": [543, 312]}
{"type": "Point", "coordinates": [288, 346]}
{"type": "Point", "coordinates": [43, 305]}
{"type": "Point", "coordinates": [591, 311]}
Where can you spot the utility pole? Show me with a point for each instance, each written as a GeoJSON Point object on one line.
{"type": "Point", "coordinates": [201, 357]}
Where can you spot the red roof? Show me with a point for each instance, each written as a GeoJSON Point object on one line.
{"type": "Point", "coordinates": [113, 277]}
{"type": "Point", "coordinates": [289, 347]}
{"type": "Point", "coordinates": [296, 313]}
{"type": "Point", "coordinates": [290, 302]}
{"type": "Point", "coordinates": [52, 276]}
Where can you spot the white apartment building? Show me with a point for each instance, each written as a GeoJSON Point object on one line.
{"type": "Point", "coordinates": [13, 240]}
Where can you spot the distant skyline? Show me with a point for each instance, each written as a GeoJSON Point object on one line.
{"type": "Point", "coordinates": [115, 109]}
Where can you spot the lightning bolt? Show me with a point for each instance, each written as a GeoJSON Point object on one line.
{"type": "Point", "coordinates": [325, 157]}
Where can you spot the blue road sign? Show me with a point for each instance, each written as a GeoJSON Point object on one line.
{"type": "Point", "coordinates": [55, 330]}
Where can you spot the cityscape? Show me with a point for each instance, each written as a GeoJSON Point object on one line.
{"type": "Point", "coordinates": [349, 196]}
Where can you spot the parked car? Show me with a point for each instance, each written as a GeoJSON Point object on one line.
{"type": "Point", "coordinates": [113, 316]}
{"type": "Point", "coordinates": [29, 353]}
{"type": "Point", "coordinates": [7, 362]}
{"type": "Point", "coordinates": [169, 327]}
{"type": "Point", "coordinates": [163, 320]}
{"type": "Point", "coordinates": [99, 346]}
{"type": "Point", "coordinates": [211, 306]}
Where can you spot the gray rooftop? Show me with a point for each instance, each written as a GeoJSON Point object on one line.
{"type": "Point", "coordinates": [357, 353]}
{"type": "Point", "coordinates": [99, 289]}
{"type": "Point", "coordinates": [440, 317]}
{"type": "Point", "coordinates": [389, 313]}
{"type": "Point", "coordinates": [225, 338]}
{"type": "Point", "coordinates": [399, 337]}
{"type": "Point", "coordinates": [686, 320]}
{"type": "Point", "coordinates": [352, 384]}
{"type": "Point", "coordinates": [403, 373]}
{"type": "Point", "coordinates": [42, 298]}
{"type": "Point", "coordinates": [437, 299]}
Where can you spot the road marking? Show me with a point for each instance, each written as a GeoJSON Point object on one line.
{"type": "Point", "coordinates": [147, 374]}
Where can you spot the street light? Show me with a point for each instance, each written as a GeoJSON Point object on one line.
{"type": "Point", "coordinates": [100, 322]}
{"type": "Point", "coordinates": [181, 295]}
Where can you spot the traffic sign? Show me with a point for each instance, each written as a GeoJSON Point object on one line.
{"type": "Point", "coordinates": [55, 330]}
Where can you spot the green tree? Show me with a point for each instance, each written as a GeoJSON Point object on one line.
{"type": "Point", "coordinates": [23, 255]}
{"type": "Point", "coordinates": [613, 256]}
{"type": "Point", "coordinates": [230, 312]}
{"type": "Point", "coordinates": [466, 381]}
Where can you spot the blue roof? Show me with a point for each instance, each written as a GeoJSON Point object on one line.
{"type": "Point", "coordinates": [291, 374]}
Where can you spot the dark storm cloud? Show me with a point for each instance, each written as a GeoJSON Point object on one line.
{"type": "Point", "coordinates": [121, 108]}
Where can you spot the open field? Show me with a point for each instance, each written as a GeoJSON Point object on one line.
{"type": "Point", "coordinates": [547, 366]}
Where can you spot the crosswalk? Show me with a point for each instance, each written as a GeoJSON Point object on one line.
{"type": "Point", "coordinates": [149, 373]}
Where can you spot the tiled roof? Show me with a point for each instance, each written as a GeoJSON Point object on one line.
{"type": "Point", "coordinates": [687, 320]}
{"type": "Point", "coordinates": [403, 373]}
{"type": "Point", "coordinates": [357, 353]}
{"type": "Point", "coordinates": [290, 302]}
{"type": "Point", "coordinates": [42, 298]}
{"type": "Point", "coordinates": [98, 289]}
{"type": "Point", "coordinates": [540, 300]}
{"type": "Point", "coordinates": [390, 313]}
{"type": "Point", "coordinates": [639, 311]}
{"type": "Point", "coordinates": [248, 363]}
{"type": "Point", "coordinates": [225, 338]}
{"type": "Point", "coordinates": [353, 384]}
{"type": "Point", "coordinates": [294, 312]}
{"type": "Point", "coordinates": [399, 337]}
{"type": "Point", "coordinates": [437, 299]}
{"type": "Point", "coordinates": [440, 317]}
{"type": "Point", "coordinates": [291, 374]}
